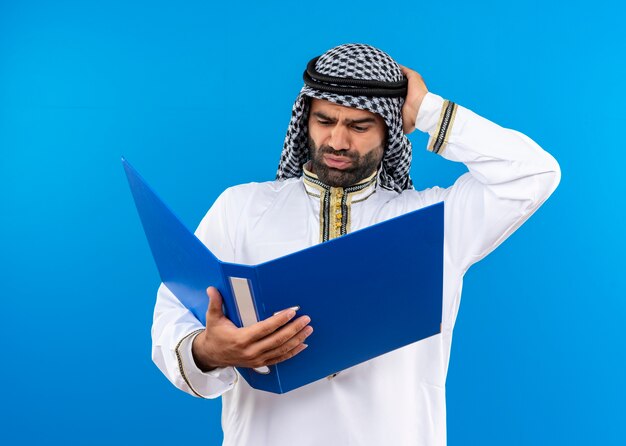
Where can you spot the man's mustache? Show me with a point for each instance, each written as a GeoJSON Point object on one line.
{"type": "Point", "coordinates": [342, 152]}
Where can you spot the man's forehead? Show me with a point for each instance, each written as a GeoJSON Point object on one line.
{"type": "Point", "coordinates": [330, 109]}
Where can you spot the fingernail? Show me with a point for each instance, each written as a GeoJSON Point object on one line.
{"type": "Point", "coordinates": [309, 330]}
{"type": "Point", "coordinates": [305, 346]}
{"type": "Point", "coordinates": [294, 309]}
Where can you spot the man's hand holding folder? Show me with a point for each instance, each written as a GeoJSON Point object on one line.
{"type": "Point", "coordinates": [265, 343]}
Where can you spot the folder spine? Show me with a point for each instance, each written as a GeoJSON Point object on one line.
{"type": "Point", "coordinates": [247, 297]}
{"type": "Point", "coordinates": [263, 314]}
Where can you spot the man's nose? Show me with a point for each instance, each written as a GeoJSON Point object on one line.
{"type": "Point", "coordinates": [339, 138]}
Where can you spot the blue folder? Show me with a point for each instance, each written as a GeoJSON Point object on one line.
{"type": "Point", "coordinates": [367, 293]}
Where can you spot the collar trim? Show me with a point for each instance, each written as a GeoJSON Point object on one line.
{"type": "Point", "coordinates": [358, 192]}
{"type": "Point", "coordinates": [335, 202]}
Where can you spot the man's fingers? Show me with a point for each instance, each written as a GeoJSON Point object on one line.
{"type": "Point", "coordinates": [215, 303]}
{"type": "Point", "coordinates": [298, 329]}
{"type": "Point", "coordinates": [286, 356]}
{"type": "Point", "coordinates": [268, 326]}
{"type": "Point", "coordinates": [281, 350]}
{"type": "Point", "coordinates": [410, 73]}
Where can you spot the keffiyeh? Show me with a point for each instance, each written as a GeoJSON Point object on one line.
{"type": "Point", "coordinates": [357, 62]}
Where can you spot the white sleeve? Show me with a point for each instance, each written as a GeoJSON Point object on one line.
{"type": "Point", "coordinates": [174, 327]}
{"type": "Point", "coordinates": [509, 177]}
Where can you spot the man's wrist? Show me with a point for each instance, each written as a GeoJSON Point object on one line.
{"type": "Point", "coordinates": [198, 352]}
{"type": "Point", "coordinates": [418, 104]}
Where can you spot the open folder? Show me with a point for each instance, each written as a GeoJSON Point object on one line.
{"type": "Point", "coordinates": [367, 293]}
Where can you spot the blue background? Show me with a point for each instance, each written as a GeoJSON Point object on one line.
{"type": "Point", "coordinates": [198, 97]}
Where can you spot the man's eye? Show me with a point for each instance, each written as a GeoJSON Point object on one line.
{"type": "Point", "coordinates": [323, 122]}
{"type": "Point", "coordinates": [359, 128]}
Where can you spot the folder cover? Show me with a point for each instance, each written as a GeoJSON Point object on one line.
{"type": "Point", "coordinates": [369, 292]}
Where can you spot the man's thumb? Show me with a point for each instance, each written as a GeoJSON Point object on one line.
{"type": "Point", "coordinates": [215, 302]}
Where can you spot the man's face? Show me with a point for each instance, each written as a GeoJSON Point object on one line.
{"type": "Point", "coordinates": [346, 144]}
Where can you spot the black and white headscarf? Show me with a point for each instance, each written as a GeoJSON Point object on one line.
{"type": "Point", "coordinates": [356, 61]}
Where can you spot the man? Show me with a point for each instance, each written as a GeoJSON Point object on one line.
{"type": "Point", "coordinates": [345, 165]}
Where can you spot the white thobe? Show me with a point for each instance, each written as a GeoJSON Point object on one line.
{"type": "Point", "coordinates": [397, 398]}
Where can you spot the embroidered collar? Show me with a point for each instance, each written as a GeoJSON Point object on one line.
{"type": "Point", "coordinates": [335, 202]}
{"type": "Point", "coordinates": [359, 192]}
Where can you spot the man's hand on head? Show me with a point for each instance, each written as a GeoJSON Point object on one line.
{"type": "Point", "coordinates": [265, 343]}
{"type": "Point", "coordinates": [414, 96]}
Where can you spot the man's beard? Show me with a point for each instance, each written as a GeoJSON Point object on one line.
{"type": "Point", "coordinates": [361, 166]}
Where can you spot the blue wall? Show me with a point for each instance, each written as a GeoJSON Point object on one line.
{"type": "Point", "coordinates": [198, 98]}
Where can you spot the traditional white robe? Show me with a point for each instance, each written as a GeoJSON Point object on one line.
{"type": "Point", "coordinates": [398, 398]}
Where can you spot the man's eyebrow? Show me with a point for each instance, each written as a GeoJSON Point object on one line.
{"type": "Point", "coordinates": [322, 116]}
{"type": "Point", "coordinates": [365, 120]}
